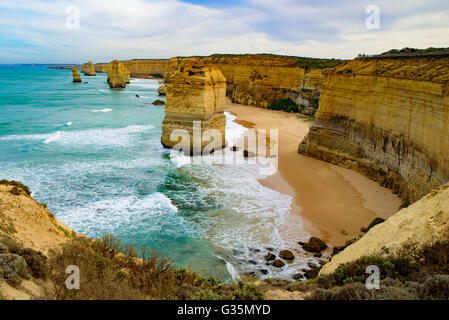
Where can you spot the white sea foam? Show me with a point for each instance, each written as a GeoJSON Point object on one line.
{"type": "Point", "coordinates": [67, 124]}
{"type": "Point", "coordinates": [144, 83]}
{"type": "Point", "coordinates": [53, 137]}
{"type": "Point", "coordinates": [101, 137]}
{"type": "Point", "coordinates": [151, 215]}
{"type": "Point", "coordinates": [233, 130]}
{"type": "Point", "coordinates": [102, 110]}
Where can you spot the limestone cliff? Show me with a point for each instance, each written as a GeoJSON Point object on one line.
{"type": "Point", "coordinates": [388, 119]}
{"type": "Point", "coordinates": [195, 94]}
{"type": "Point", "coordinates": [88, 69]}
{"type": "Point", "coordinates": [424, 222]}
{"type": "Point", "coordinates": [260, 79]}
{"type": "Point", "coordinates": [117, 77]}
{"type": "Point", "coordinates": [252, 79]}
{"type": "Point", "coordinates": [76, 75]}
{"type": "Point", "coordinates": [32, 230]}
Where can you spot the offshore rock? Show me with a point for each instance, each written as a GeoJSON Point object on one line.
{"type": "Point", "coordinates": [76, 75]}
{"type": "Point", "coordinates": [88, 69]}
{"type": "Point", "coordinates": [116, 76]}
{"type": "Point", "coordinates": [195, 103]}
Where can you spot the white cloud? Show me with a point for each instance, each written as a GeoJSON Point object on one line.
{"type": "Point", "coordinates": [162, 29]}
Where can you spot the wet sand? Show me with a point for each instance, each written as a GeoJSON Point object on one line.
{"type": "Point", "coordinates": [333, 202]}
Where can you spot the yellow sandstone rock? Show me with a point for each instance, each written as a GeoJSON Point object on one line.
{"type": "Point", "coordinates": [162, 90]}
{"type": "Point", "coordinates": [424, 222]}
{"type": "Point", "coordinates": [76, 75]}
{"type": "Point", "coordinates": [88, 69]}
{"type": "Point", "coordinates": [116, 76]}
{"type": "Point", "coordinates": [195, 103]}
{"type": "Point", "coordinates": [252, 79]}
{"type": "Point", "coordinates": [388, 119]}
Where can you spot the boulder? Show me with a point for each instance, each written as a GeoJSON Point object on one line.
{"type": "Point", "coordinates": [312, 273]}
{"type": "Point", "coordinates": [278, 263]}
{"type": "Point", "coordinates": [76, 75]}
{"type": "Point", "coordinates": [297, 276]}
{"type": "Point", "coordinates": [286, 255]}
{"type": "Point", "coordinates": [376, 221]}
{"type": "Point", "coordinates": [158, 103]}
{"type": "Point", "coordinates": [270, 256]}
{"type": "Point", "coordinates": [314, 245]}
{"type": "Point", "coordinates": [248, 154]}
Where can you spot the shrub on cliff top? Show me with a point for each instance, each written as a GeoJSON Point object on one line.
{"type": "Point", "coordinates": [110, 270]}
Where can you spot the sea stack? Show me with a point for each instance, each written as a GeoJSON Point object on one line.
{"type": "Point", "coordinates": [88, 69]}
{"type": "Point", "coordinates": [76, 75]}
{"type": "Point", "coordinates": [125, 72]}
{"type": "Point", "coordinates": [117, 77]}
{"type": "Point", "coordinates": [195, 103]}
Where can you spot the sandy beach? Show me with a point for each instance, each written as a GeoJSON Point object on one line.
{"type": "Point", "coordinates": [333, 202]}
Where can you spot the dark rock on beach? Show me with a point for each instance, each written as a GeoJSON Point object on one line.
{"type": "Point", "coordinates": [264, 271]}
{"type": "Point", "coordinates": [376, 221]}
{"type": "Point", "coordinates": [286, 254]}
{"type": "Point", "coordinates": [313, 272]}
{"type": "Point", "coordinates": [297, 276]}
{"type": "Point", "coordinates": [248, 154]}
{"type": "Point", "coordinates": [314, 245]}
{"type": "Point", "coordinates": [278, 263]}
{"type": "Point", "coordinates": [270, 256]}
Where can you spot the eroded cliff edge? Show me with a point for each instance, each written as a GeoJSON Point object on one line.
{"type": "Point", "coordinates": [388, 119]}
{"type": "Point", "coordinates": [252, 79]}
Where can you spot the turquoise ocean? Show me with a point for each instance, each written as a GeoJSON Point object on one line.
{"type": "Point", "coordinates": [94, 156]}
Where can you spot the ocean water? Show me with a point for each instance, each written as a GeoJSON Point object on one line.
{"type": "Point", "coordinates": [93, 155]}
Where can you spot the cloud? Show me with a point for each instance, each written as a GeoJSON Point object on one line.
{"type": "Point", "coordinates": [34, 31]}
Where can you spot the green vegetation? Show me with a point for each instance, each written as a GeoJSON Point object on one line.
{"type": "Point", "coordinates": [312, 63]}
{"type": "Point", "coordinates": [111, 270]}
{"type": "Point", "coordinates": [157, 75]}
{"type": "Point", "coordinates": [286, 104]}
{"type": "Point", "coordinates": [414, 273]}
{"type": "Point", "coordinates": [291, 61]}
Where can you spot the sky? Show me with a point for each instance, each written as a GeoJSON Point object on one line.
{"type": "Point", "coordinates": [76, 31]}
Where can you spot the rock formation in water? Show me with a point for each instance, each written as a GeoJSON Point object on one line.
{"type": "Point", "coordinates": [162, 90]}
{"type": "Point", "coordinates": [422, 223]}
{"type": "Point", "coordinates": [116, 76]}
{"type": "Point", "coordinates": [195, 103]}
{"type": "Point", "coordinates": [88, 69]}
{"type": "Point", "coordinates": [389, 120]}
{"type": "Point", "coordinates": [76, 75]}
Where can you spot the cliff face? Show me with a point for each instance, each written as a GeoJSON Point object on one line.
{"type": "Point", "coordinates": [195, 93]}
{"type": "Point", "coordinates": [388, 119]}
{"type": "Point", "coordinates": [260, 79]}
{"type": "Point", "coordinates": [88, 69]}
{"type": "Point", "coordinates": [251, 79]}
{"type": "Point", "coordinates": [423, 223]}
{"type": "Point", "coordinates": [76, 75]}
